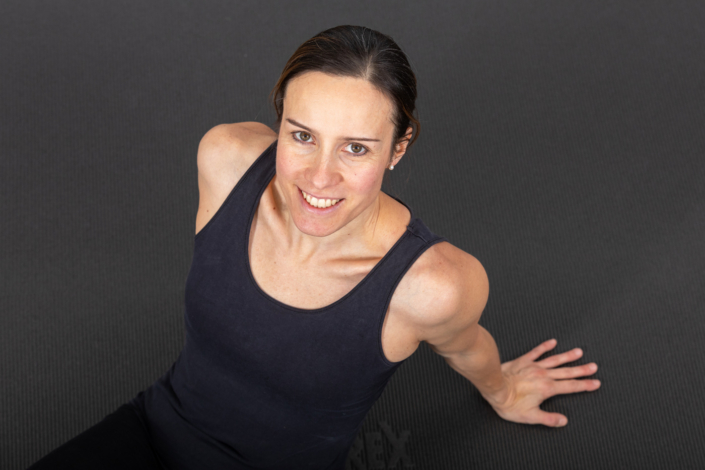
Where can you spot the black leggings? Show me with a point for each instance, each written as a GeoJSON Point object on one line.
{"type": "Point", "coordinates": [119, 442]}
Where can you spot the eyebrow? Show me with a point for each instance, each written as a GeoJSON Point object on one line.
{"type": "Point", "coordinates": [366, 139]}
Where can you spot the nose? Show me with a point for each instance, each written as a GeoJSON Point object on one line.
{"type": "Point", "coordinates": [322, 173]}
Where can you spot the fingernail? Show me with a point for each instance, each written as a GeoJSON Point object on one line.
{"type": "Point", "coordinates": [562, 422]}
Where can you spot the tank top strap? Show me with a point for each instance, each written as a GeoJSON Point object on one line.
{"type": "Point", "coordinates": [258, 176]}
{"type": "Point", "coordinates": [231, 220]}
{"type": "Point", "coordinates": [385, 277]}
{"type": "Point", "coordinates": [417, 227]}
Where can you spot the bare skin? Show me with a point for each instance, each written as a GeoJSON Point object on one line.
{"type": "Point", "coordinates": [309, 259]}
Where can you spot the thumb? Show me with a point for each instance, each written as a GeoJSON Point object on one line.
{"type": "Point", "coordinates": [554, 420]}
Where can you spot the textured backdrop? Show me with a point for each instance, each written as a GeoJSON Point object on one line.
{"type": "Point", "coordinates": [562, 145]}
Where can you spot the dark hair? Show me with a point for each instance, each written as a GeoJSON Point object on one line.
{"type": "Point", "coordinates": [360, 52]}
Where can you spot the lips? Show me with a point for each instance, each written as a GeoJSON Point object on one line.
{"type": "Point", "coordinates": [318, 205]}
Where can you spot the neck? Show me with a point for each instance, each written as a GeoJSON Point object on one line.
{"type": "Point", "coordinates": [358, 235]}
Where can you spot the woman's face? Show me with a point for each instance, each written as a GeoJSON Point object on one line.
{"type": "Point", "coordinates": [335, 142]}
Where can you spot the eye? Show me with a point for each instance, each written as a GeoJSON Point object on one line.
{"type": "Point", "coordinates": [303, 136]}
{"type": "Point", "coordinates": [356, 149]}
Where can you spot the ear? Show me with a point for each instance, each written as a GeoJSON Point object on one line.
{"type": "Point", "coordinates": [400, 147]}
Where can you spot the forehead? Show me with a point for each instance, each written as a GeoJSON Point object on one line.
{"type": "Point", "coordinates": [338, 105]}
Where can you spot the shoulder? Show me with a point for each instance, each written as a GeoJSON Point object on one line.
{"type": "Point", "coordinates": [444, 291]}
{"type": "Point", "coordinates": [232, 147]}
{"type": "Point", "coordinates": [224, 155]}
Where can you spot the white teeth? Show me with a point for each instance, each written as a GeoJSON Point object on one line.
{"type": "Point", "coordinates": [320, 203]}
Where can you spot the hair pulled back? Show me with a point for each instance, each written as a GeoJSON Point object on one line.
{"type": "Point", "coordinates": [359, 52]}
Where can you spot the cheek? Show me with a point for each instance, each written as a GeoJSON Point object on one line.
{"type": "Point", "coordinates": [286, 166]}
{"type": "Point", "coordinates": [367, 181]}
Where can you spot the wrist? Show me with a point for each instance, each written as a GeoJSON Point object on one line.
{"type": "Point", "coordinates": [500, 396]}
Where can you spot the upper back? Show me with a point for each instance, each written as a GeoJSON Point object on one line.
{"type": "Point", "coordinates": [224, 155]}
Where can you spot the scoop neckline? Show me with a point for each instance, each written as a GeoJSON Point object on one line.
{"type": "Point", "coordinates": [358, 286]}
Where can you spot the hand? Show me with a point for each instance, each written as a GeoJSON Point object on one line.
{"type": "Point", "coordinates": [529, 383]}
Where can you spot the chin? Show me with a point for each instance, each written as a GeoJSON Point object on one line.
{"type": "Point", "coordinates": [312, 228]}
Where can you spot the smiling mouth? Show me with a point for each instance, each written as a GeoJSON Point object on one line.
{"type": "Point", "coordinates": [319, 203]}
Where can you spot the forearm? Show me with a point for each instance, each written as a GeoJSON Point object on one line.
{"type": "Point", "coordinates": [481, 365]}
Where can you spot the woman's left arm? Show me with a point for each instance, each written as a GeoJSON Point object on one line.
{"type": "Point", "coordinates": [516, 388]}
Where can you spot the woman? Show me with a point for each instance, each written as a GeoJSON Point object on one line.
{"type": "Point", "coordinates": [309, 286]}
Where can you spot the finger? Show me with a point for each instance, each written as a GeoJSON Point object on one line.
{"type": "Point", "coordinates": [553, 420]}
{"type": "Point", "coordinates": [559, 359]}
{"type": "Point", "coordinates": [561, 387]}
{"type": "Point", "coordinates": [572, 372]}
{"type": "Point", "coordinates": [539, 350]}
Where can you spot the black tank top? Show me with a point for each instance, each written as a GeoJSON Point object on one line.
{"type": "Point", "coordinates": [260, 384]}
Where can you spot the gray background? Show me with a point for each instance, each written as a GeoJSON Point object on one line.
{"type": "Point", "coordinates": [562, 145]}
